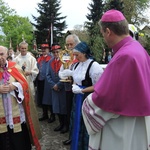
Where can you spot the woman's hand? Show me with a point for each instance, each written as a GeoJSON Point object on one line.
{"type": "Point", "coordinates": [76, 89]}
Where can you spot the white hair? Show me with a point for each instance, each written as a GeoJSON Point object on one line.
{"type": "Point", "coordinates": [5, 48]}
{"type": "Point", "coordinates": [75, 38]}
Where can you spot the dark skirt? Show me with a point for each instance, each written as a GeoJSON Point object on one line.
{"type": "Point", "coordinates": [79, 135]}
{"type": "Point", "coordinates": [15, 141]}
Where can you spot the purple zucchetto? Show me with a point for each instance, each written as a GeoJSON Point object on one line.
{"type": "Point", "coordinates": [112, 16]}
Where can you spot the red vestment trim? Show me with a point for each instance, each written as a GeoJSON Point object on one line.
{"type": "Point", "coordinates": [15, 120]}
{"type": "Point", "coordinates": [2, 120]}
{"type": "Point", "coordinates": [17, 75]}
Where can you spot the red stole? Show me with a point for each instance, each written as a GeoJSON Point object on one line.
{"type": "Point", "coordinates": [17, 75]}
{"type": "Point", "coordinates": [56, 64]}
{"type": "Point", "coordinates": [1, 75]}
{"type": "Point", "coordinates": [42, 58]}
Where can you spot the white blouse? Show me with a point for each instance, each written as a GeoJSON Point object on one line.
{"type": "Point", "coordinates": [79, 72]}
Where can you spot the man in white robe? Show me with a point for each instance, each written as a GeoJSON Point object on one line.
{"type": "Point", "coordinates": [28, 64]}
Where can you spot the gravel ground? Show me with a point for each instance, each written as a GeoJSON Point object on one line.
{"type": "Point", "coordinates": [51, 140]}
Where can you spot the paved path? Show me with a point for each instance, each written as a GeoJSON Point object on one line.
{"type": "Point", "coordinates": [51, 140]}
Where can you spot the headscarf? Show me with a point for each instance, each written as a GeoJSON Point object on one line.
{"type": "Point", "coordinates": [83, 48]}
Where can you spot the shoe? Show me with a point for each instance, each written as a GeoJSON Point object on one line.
{"type": "Point", "coordinates": [59, 127]}
{"type": "Point", "coordinates": [51, 119]}
{"type": "Point", "coordinates": [67, 142]}
{"type": "Point", "coordinates": [43, 118]}
{"type": "Point", "coordinates": [64, 129]}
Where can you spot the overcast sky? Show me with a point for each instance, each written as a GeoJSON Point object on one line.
{"type": "Point", "coordinates": [75, 10]}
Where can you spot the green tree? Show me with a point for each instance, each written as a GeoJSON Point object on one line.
{"type": "Point", "coordinates": [15, 28]}
{"type": "Point", "coordinates": [133, 10]}
{"type": "Point", "coordinates": [98, 44]}
{"type": "Point", "coordinates": [96, 8]}
{"type": "Point", "coordinates": [136, 11]}
{"type": "Point", "coordinates": [116, 4]}
{"type": "Point", "coordinates": [49, 17]}
{"type": "Point", "coordinates": [5, 10]}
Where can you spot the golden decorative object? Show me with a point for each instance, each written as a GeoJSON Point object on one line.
{"type": "Point", "coordinates": [66, 57]}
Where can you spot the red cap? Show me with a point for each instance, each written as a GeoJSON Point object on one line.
{"type": "Point", "coordinates": [55, 47]}
{"type": "Point", "coordinates": [44, 46]}
{"type": "Point", "coordinates": [112, 16]}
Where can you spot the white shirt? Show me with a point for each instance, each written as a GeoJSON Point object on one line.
{"type": "Point", "coordinates": [79, 73]}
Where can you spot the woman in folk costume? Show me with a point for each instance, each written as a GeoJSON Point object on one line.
{"type": "Point", "coordinates": [58, 90]}
{"type": "Point", "coordinates": [16, 120]}
{"type": "Point", "coordinates": [85, 74]}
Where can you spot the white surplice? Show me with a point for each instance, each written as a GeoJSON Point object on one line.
{"type": "Point", "coordinates": [110, 131]}
{"type": "Point", "coordinates": [30, 64]}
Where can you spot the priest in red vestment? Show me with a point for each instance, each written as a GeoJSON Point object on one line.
{"type": "Point", "coordinates": [17, 130]}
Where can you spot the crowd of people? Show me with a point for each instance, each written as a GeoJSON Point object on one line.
{"type": "Point", "coordinates": [100, 108]}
